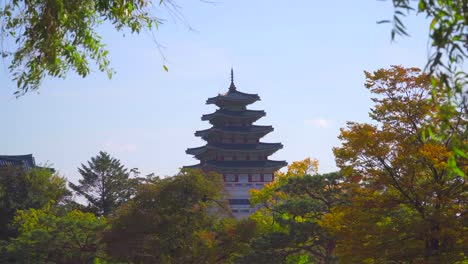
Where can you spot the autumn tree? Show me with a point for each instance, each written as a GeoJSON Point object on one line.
{"type": "Point", "coordinates": [48, 235]}
{"type": "Point", "coordinates": [105, 183]}
{"type": "Point", "coordinates": [406, 204]}
{"type": "Point", "coordinates": [292, 209]}
{"type": "Point", "coordinates": [447, 53]}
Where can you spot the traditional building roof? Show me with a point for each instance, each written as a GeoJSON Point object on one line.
{"type": "Point", "coordinates": [233, 97]}
{"type": "Point", "coordinates": [228, 114]}
{"type": "Point", "coordinates": [219, 164]}
{"type": "Point", "coordinates": [241, 130]}
{"type": "Point", "coordinates": [18, 160]}
{"type": "Point", "coordinates": [226, 147]}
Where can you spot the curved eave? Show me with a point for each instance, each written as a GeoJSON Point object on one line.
{"type": "Point", "coordinates": [219, 101]}
{"type": "Point", "coordinates": [272, 164]}
{"type": "Point", "coordinates": [235, 130]}
{"type": "Point", "coordinates": [250, 148]}
{"type": "Point", "coordinates": [247, 114]}
{"type": "Point", "coordinates": [196, 166]}
{"type": "Point", "coordinates": [196, 151]}
{"type": "Point", "coordinates": [233, 97]}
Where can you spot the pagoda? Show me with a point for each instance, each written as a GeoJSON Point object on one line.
{"type": "Point", "coordinates": [234, 149]}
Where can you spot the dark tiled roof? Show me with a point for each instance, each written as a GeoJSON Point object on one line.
{"type": "Point", "coordinates": [11, 160]}
{"type": "Point", "coordinates": [247, 164]}
{"type": "Point", "coordinates": [238, 114]}
{"type": "Point", "coordinates": [234, 96]}
{"type": "Point", "coordinates": [196, 166]}
{"type": "Point", "coordinates": [235, 129]}
{"type": "Point", "coordinates": [216, 164]}
{"type": "Point", "coordinates": [235, 147]}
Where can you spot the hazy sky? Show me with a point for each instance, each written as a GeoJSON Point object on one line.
{"type": "Point", "coordinates": [304, 58]}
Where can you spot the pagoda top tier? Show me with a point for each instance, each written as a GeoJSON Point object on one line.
{"type": "Point", "coordinates": [233, 97]}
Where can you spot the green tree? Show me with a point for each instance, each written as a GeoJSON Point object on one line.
{"type": "Point", "coordinates": [176, 220]}
{"type": "Point", "coordinates": [50, 236]}
{"type": "Point", "coordinates": [448, 29]}
{"type": "Point", "coordinates": [105, 184]}
{"type": "Point", "coordinates": [407, 204]}
{"type": "Point", "coordinates": [21, 190]}
{"type": "Point", "coordinates": [294, 209]}
{"type": "Point", "coordinates": [50, 38]}
{"type": "Point", "coordinates": [448, 40]}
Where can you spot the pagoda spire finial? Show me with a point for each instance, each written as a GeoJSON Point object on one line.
{"type": "Point", "coordinates": [232, 87]}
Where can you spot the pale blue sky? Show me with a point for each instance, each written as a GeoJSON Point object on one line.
{"type": "Point", "coordinates": [304, 58]}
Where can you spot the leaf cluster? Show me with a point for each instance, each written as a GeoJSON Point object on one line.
{"type": "Point", "coordinates": [54, 36]}
{"type": "Point", "coordinates": [290, 222]}
{"type": "Point", "coordinates": [21, 190]}
{"type": "Point", "coordinates": [49, 236]}
{"type": "Point", "coordinates": [403, 191]}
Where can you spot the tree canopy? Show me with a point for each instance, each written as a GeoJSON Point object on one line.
{"type": "Point", "coordinates": [289, 222]}
{"type": "Point", "coordinates": [48, 235]}
{"type": "Point", "coordinates": [21, 190]}
{"type": "Point", "coordinates": [176, 220]}
{"type": "Point", "coordinates": [406, 203]}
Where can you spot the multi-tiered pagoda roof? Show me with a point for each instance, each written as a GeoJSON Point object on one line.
{"type": "Point", "coordinates": [233, 135]}
{"type": "Point", "coordinates": [233, 145]}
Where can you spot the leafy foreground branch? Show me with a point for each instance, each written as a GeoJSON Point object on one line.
{"type": "Point", "coordinates": [448, 40]}
{"type": "Point", "coordinates": [49, 38]}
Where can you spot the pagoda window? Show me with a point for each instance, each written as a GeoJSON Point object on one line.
{"type": "Point", "coordinates": [255, 177]}
{"type": "Point", "coordinates": [268, 177]}
{"type": "Point", "coordinates": [230, 177]}
{"type": "Point", "coordinates": [247, 157]}
{"type": "Point", "coordinates": [234, 158]}
{"type": "Point", "coordinates": [228, 158]}
{"type": "Point", "coordinates": [243, 178]}
{"type": "Point", "coordinates": [239, 201]}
